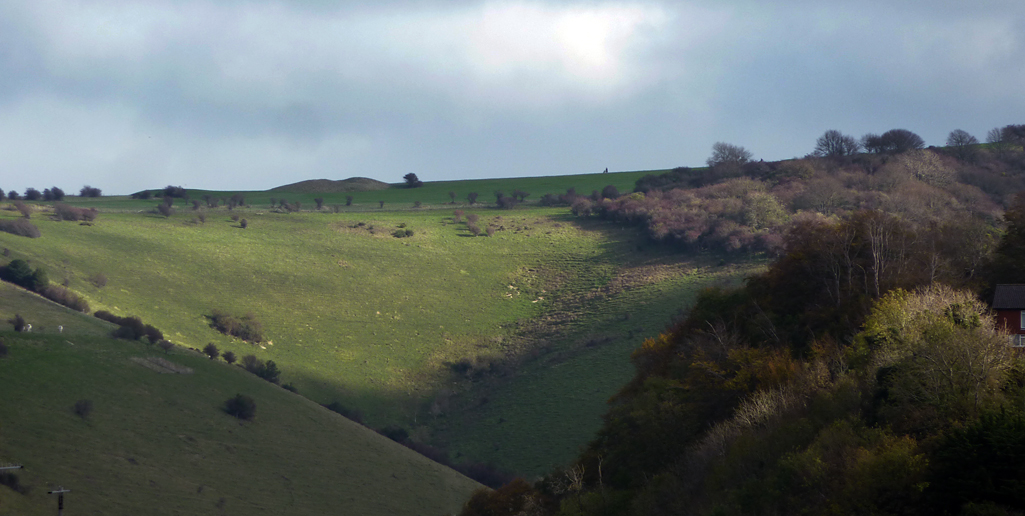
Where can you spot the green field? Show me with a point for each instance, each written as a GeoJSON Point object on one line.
{"type": "Point", "coordinates": [544, 314]}
{"type": "Point", "coordinates": [159, 443]}
{"type": "Point", "coordinates": [432, 195]}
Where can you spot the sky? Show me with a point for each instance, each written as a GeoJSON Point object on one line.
{"type": "Point", "coordinates": [253, 94]}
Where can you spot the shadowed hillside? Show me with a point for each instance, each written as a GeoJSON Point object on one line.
{"type": "Point", "coordinates": [132, 429]}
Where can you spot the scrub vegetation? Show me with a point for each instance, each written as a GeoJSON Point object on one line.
{"type": "Point", "coordinates": [797, 336]}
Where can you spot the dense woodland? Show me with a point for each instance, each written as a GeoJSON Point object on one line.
{"type": "Point", "coordinates": [861, 373]}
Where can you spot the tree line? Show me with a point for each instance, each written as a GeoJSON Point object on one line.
{"type": "Point", "coordinates": [862, 372]}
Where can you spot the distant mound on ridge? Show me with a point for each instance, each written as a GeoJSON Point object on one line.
{"type": "Point", "coordinates": [353, 184]}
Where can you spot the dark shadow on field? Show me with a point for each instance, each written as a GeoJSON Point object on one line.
{"type": "Point", "coordinates": [604, 305]}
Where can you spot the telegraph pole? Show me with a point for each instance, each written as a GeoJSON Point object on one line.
{"type": "Point", "coordinates": [60, 498]}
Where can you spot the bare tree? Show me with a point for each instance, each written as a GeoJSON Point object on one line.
{"type": "Point", "coordinates": [995, 135]}
{"type": "Point", "coordinates": [927, 167]}
{"type": "Point", "coordinates": [834, 144]}
{"type": "Point", "coordinates": [962, 144]}
{"type": "Point", "coordinates": [728, 154]}
{"type": "Point", "coordinates": [897, 141]}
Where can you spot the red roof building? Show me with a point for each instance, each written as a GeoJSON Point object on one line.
{"type": "Point", "coordinates": [1009, 304]}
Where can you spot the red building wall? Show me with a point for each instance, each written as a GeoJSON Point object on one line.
{"type": "Point", "coordinates": [1010, 320]}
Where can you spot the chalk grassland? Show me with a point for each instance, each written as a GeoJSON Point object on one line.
{"type": "Point", "coordinates": [158, 442]}
{"type": "Point", "coordinates": [365, 318]}
{"type": "Point", "coordinates": [541, 417]}
{"type": "Point", "coordinates": [546, 311]}
{"type": "Point", "coordinates": [432, 195]}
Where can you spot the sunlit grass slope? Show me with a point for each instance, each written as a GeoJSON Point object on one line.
{"type": "Point", "coordinates": [367, 318]}
{"type": "Point", "coordinates": [159, 443]}
{"type": "Point", "coordinates": [377, 322]}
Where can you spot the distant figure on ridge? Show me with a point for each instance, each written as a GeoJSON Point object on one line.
{"type": "Point", "coordinates": [606, 170]}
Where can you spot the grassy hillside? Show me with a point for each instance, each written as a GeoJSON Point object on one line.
{"type": "Point", "coordinates": [159, 443]}
{"type": "Point", "coordinates": [382, 324]}
{"type": "Point", "coordinates": [537, 420]}
{"type": "Point", "coordinates": [432, 195]}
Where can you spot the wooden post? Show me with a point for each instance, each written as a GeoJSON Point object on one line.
{"type": "Point", "coordinates": [60, 498]}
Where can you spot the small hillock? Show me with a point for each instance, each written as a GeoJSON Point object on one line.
{"type": "Point", "coordinates": [353, 184]}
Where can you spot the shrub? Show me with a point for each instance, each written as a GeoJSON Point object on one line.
{"type": "Point", "coordinates": [382, 204]}
{"type": "Point", "coordinates": [20, 273]}
{"type": "Point", "coordinates": [99, 280]}
{"type": "Point", "coordinates": [175, 191]}
{"type": "Point", "coordinates": [290, 388]}
{"type": "Point", "coordinates": [131, 327]}
{"type": "Point", "coordinates": [350, 414]}
{"type": "Point", "coordinates": [234, 218]}
{"type": "Point", "coordinates": [474, 229]}
{"type": "Point", "coordinates": [472, 197]}
{"type": "Point", "coordinates": [125, 332]}
{"type": "Point", "coordinates": [457, 216]}
{"type": "Point", "coordinates": [24, 209]}
{"type": "Point", "coordinates": [88, 191]}
{"type": "Point", "coordinates": [548, 200]}
{"type": "Point", "coordinates": [417, 204]}
{"type": "Point", "coordinates": [151, 333]}
{"type": "Point", "coordinates": [201, 217]}
{"type": "Point", "coordinates": [18, 322]}
{"type": "Point", "coordinates": [610, 192]}
{"type": "Point", "coordinates": [63, 211]}
{"type": "Point", "coordinates": [246, 328]}
{"type": "Point", "coordinates": [165, 345]}
{"type": "Point", "coordinates": [3, 349]}
{"type": "Point", "coordinates": [19, 227]}
{"type": "Point", "coordinates": [412, 181]}
{"type": "Point", "coordinates": [243, 223]}
{"type": "Point", "coordinates": [251, 363]}
{"type": "Point", "coordinates": [348, 200]}
{"type": "Point", "coordinates": [31, 194]}
{"type": "Point", "coordinates": [83, 408]}
{"type": "Point", "coordinates": [66, 297]}
{"type": "Point", "coordinates": [165, 209]}
{"type": "Point", "coordinates": [229, 357]}
{"type": "Point", "coordinates": [490, 231]}
{"type": "Point", "coordinates": [507, 202]}
{"type": "Point", "coordinates": [582, 207]}
{"type": "Point", "coordinates": [211, 351]}
{"type": "Point", "coordinates": [320, 202]}
{"type": "Point", "coordinates": [268, 371]}
{"type": "Point", "coordinates": [241, 406]}
{"type": "Point", "coordinates": [53, 194]}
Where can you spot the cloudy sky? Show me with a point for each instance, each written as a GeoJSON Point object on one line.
{"type": "Point", "coordinates": [252, 94]}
